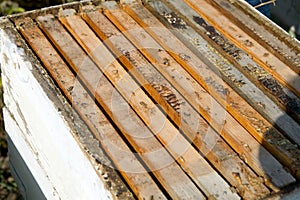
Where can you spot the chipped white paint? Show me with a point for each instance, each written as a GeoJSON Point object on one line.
{"type": "Point", "coordinates": [40, 133]}
{"type": "Point", "coordinates": [29, 155]}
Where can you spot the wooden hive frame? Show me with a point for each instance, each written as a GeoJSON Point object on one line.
{"type": "Point", "coordinates": [153, 100]}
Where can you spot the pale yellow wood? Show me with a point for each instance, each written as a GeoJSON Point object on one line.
{"type": "Point", "coordinates": [271, 63]}
{"type": "Point", "coordinates": [210, 109]}
{"type": "Point", "coordinates": [206, 178]}
{"type": "Point", "coordinates": [171, 176]}
{"type": "Point", "coordinates": [242, 110]}
{"type": "Point", "coordinates": [244, 113]}
{"type": "Point", "coordinates": [286, 152]}
{"type": "Point", "coordinates": [141, 183]}
{"type": "Point", "coordinates": [216, 150]}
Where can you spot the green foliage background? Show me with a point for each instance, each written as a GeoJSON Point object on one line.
{"type": "Point", "coordinates": [8, 7]}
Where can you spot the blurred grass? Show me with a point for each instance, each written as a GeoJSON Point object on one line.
{"type": "Point", "coordinates": [10, 7]}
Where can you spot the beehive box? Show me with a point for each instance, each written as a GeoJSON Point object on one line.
{"type": "Point", "coordinates": [167, 99]}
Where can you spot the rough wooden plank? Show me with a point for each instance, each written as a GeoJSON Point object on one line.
{"type": "Point", "coordinates": [219, 154]}
{"type": "Point", "coordinates": [135, 63]}
{"type": "Point", "coordinates": [135, 174]}
{"type": "Point", "coordinates": [33, 91]}
{"type": "Point", "coordinates": [92, 69]}
{"type": "Point", "coordinates": [247, 90]}
{"type": "Point", "coordinates": [261, 34]}
{"type": "Point", "coordinates": [274, 28]}
{"type": "Point", "coordinates": [240, 38]}
{"type": "Point", "coordinates": [110, 100]}
{"type": "Point", "coordinates": [195, 93]}
{"type": "Point", "coordinates": [175, 113]}
{"type": "Point", "coordinates": [260, 77]}
{"type": "Point", "coordinates": [181, 149]}
{"type": "Point", "coordinates": [166, 39]}
{"type": "Point", "coordinates": [173, 45]}
{"type": "Point", "coordinates": [193, 66]}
